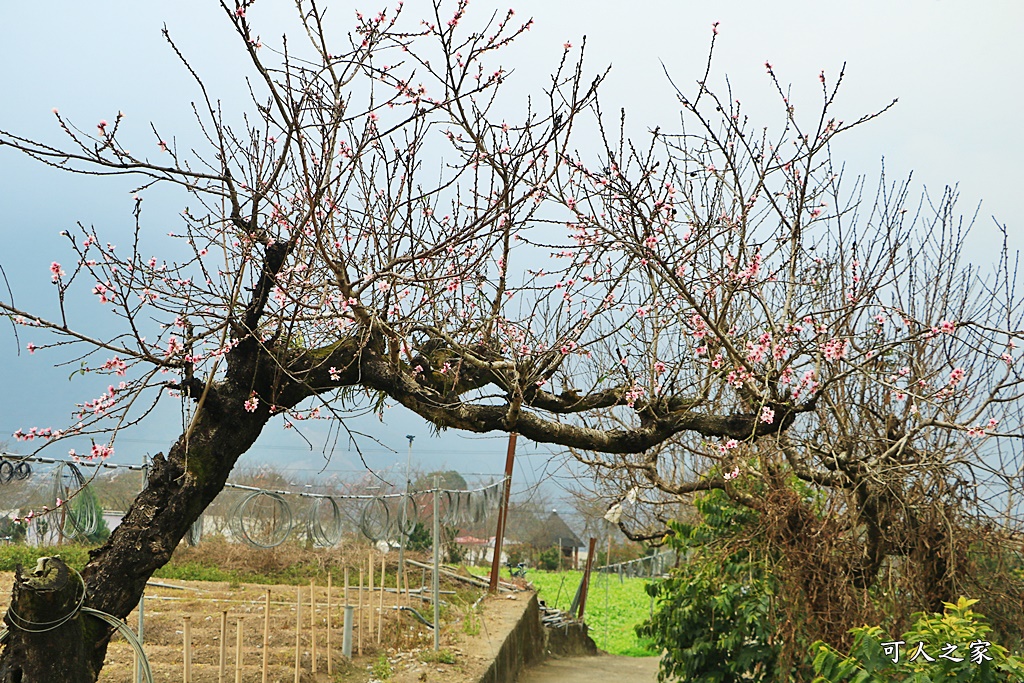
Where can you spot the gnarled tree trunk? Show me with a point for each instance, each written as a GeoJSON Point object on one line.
{"type": "Point", "coordinates": [50, 639]}
{"type": "Point", "coordinates": [178, 489]}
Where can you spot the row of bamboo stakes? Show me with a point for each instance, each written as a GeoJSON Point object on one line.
{"type": "Point", "coordinates": [400, 576]}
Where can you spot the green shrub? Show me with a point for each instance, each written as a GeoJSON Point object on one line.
{"type": "Point", "coordinates": [549, 559]}
{"type": "Point", "coordinates": [871, 659]}
{"type": "Point", "coordinates": [26, 555]}
{"type": "Point", "coordinates": [713, 614]}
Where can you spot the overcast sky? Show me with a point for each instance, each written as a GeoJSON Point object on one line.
{"type": "Point", "coordinates": [955, 67]}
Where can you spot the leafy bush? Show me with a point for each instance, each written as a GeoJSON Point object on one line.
{"type": "Point", "coordinates": [871, 660]}
{"type": "Point", "coordinates": [713, 616]}
{"type": "Point", "coordinates": [549, 559]}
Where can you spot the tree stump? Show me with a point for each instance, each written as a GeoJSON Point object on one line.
{"type": "Point", "coordinates": [48, 634]}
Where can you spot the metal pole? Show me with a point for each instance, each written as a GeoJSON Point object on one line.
{"type": "Point", "coordinates": [502, 512]}
{"type": "Point", "coordinates": [585, 586]}
{"type": "Point", "coordinates": [437, 568]}
{"type": "Point", "coordinates": [346, 639]}
{"type": "Point", "coordinates": [405, 503]}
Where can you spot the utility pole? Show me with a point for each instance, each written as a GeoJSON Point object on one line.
{"type": "Point", "coordinates": [499, 534]}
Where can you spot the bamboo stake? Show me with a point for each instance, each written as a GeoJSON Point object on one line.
{"type": "Point", "coordinates": [312, 622]}
{"type": "Point", "coordinates": [369, 596]}
{"type": "Point", "coordinates": [359, 619]}
{"type": "Point", "coordinates": [298, 631]}
{"type": "Point", "coordinates": [187, 650]}
{"type": "Point", "coordinates": [330, 669]}
{"type": "Point", "coordinates": [223, 646]}
{"type": "Point", "coordinates": [266, 637]}
{"type": "Point", "coordinates": [238, 652]}
{"type": "Point", "coordinates": [380, 611]}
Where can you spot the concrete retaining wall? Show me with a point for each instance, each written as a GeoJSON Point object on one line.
{"type": "Point", "coordinates": [529, 642]}
{"type": "Point", "coordinates": [524, 645]}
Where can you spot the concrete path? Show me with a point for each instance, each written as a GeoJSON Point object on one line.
{"type": "Point", "coordinates": [599, 669]}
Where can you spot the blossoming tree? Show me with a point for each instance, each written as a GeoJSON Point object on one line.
{"type": "Point", "coordinates": [709, 307]}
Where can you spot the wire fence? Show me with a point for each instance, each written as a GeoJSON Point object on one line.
{"type": "Point", "coordinates": [60, 499]}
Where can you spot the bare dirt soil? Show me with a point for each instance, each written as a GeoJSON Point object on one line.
{"type": "Point", "coordinates": [404, 653]}
{"type": "Point", "coordinates": [600, 669]}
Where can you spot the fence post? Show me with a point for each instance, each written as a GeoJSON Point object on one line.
{"type": "Point", "coordinates": [187, 650]}
{"type": "Point", "coordinates": [330, 668]}
{"type": "Point", "coordinates": [312, 623]}
{"type": "Point", "coordinates": [437, 567]}
{"type": "Point", "coordinates": [223, 646]}
{"type": "Point", "coordinates": [298, 631]}
{"type": "Point", "coordinates": [238, 652]}
{"type": "Point", "coordinates": [266, 637]}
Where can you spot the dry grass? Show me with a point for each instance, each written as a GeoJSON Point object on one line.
{"type": "Point", "coordinates": [204, 602]}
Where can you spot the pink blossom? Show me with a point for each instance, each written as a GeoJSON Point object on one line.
{"type": "Point", "coordinates": [947, 326]}
{"type": "Point", "coordinates": [659, 367]}
{"type": "Point", "coordinates": [252, 403]}
{"type": "Point", "coordinates": [835, 349]}
{"type": "Point", "coordinates": [767, 415]}
{"type": "Point", "coordinates": [100, 290]}
{"type": "Point", "coordinates": [173, 346]}
{"type": "Point", "coordinates": [732, 475]}
{"type": "Point", "coordinates": [31, 347]}
{"type": "Point", "coordinates": [56, 270]}
{"type": "Point", "coordinates": [956, 376]}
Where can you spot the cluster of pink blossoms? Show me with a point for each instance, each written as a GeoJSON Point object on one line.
{"type": "Point", "coordinates": [835, 349]}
